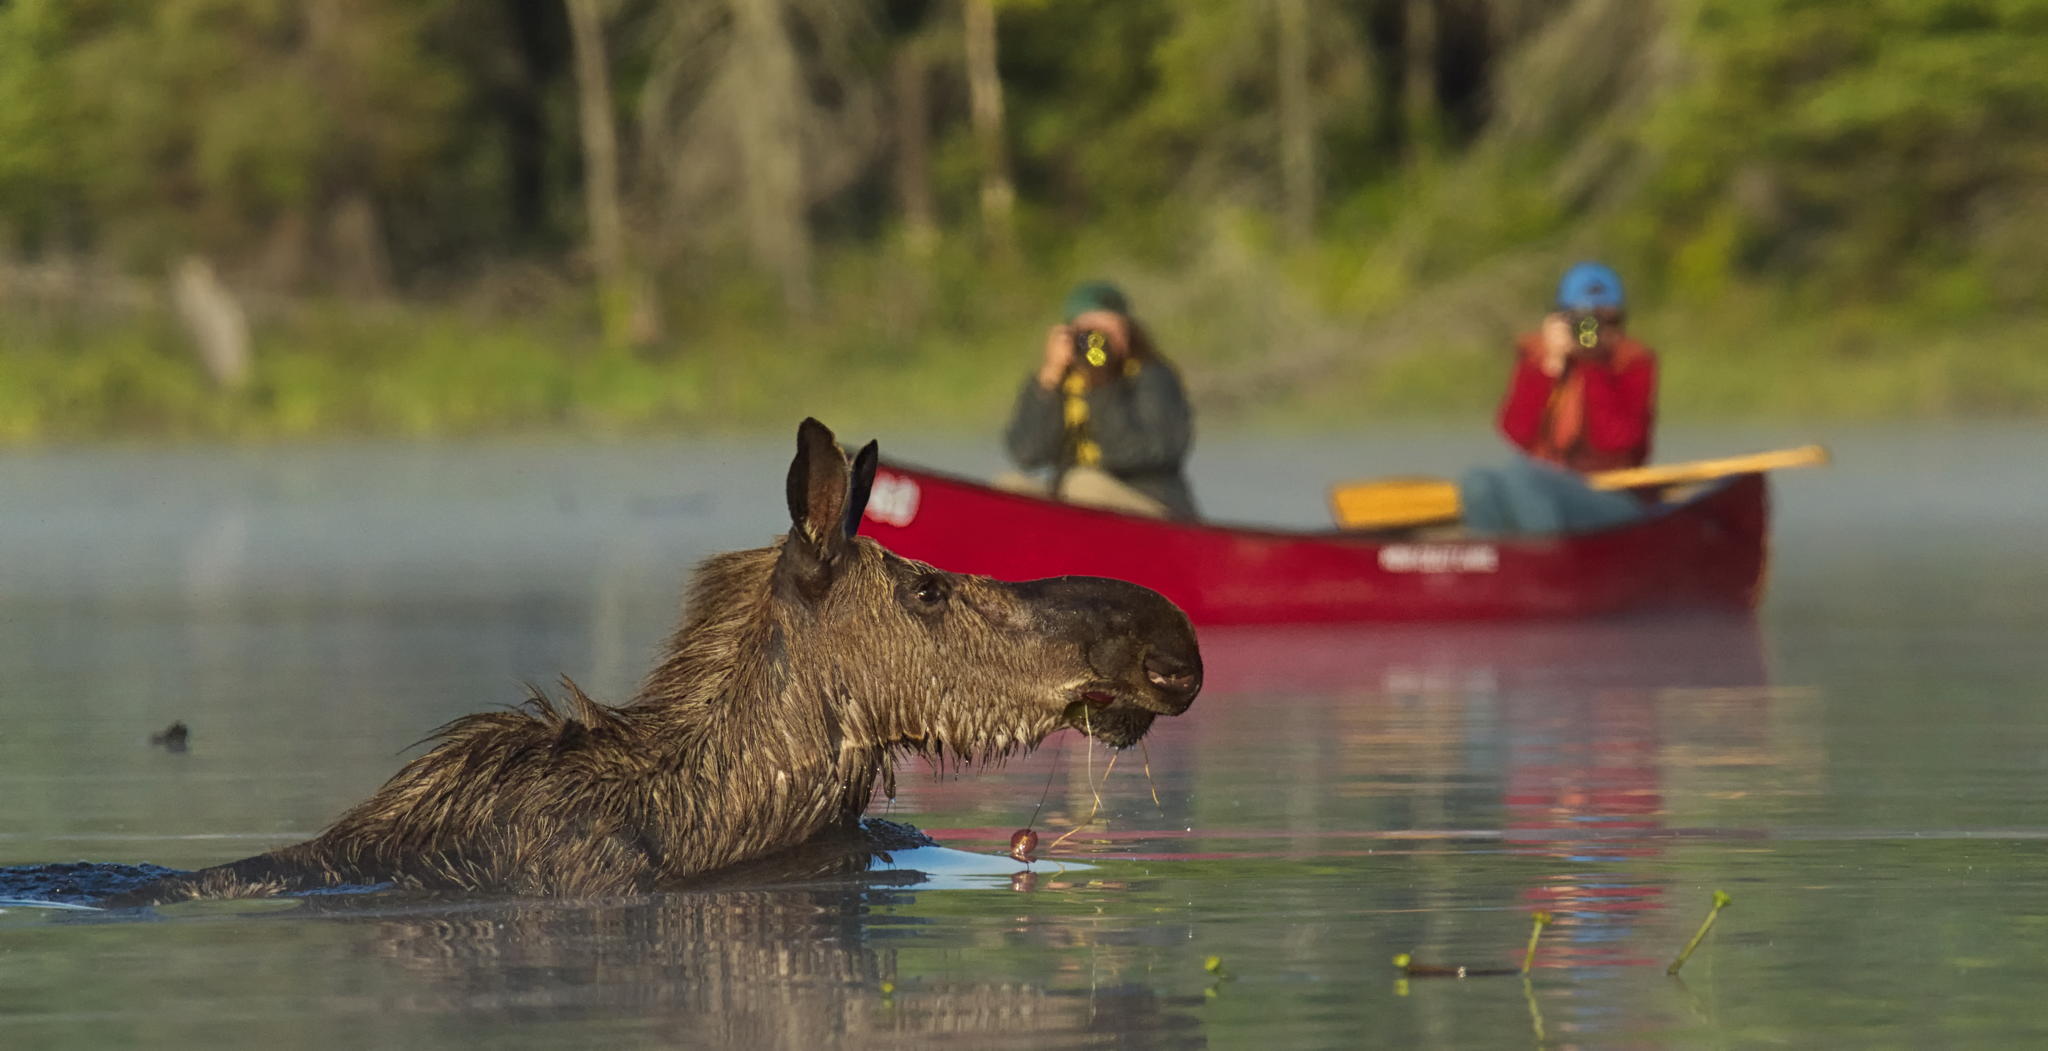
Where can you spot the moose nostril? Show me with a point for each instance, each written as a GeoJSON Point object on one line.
{"type": "Point", "coordinates": [1169, 674]}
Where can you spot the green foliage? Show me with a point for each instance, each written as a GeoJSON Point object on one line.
{"type": "Point", "coordinates": [1841, 197]}
{"type": "Point", "coordinates": [1852, 147]}
{"type": "Point", "coordinates": [147, 129]}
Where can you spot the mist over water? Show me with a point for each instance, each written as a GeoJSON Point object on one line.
{"type": "Point", "coordinates": [1860, 768]}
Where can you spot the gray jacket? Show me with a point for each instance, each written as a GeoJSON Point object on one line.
{"type": "Point", "coordinates": [1141, 422]}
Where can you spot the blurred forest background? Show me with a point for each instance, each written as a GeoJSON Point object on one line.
{"type": "Point", "coordinates": [278, 217]}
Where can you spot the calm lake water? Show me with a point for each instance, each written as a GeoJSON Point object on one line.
{"type": "Point", "coordinates": [1864, 769]}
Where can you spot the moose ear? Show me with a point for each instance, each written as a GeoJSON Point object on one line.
{"type": "Point", "coordinates": [859, 484]}
{"type": "Point", "coordinates": [817, 486]}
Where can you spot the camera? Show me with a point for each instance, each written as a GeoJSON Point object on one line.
{"type": "Point", "coordinates": [1091, 348]}
{"type": "Point", "coordinates": [1585, 329]}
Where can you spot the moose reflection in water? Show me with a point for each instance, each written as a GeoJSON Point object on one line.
{"type": "Point", "coordinates": [785, 967]}
{"type": "Point", "coordinates": [799, 671]}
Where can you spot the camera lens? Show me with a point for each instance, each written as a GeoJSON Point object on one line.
{"type": "Point", "coordinates": [1092, 347]}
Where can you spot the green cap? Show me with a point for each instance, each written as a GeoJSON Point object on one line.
{"type": "Point", "coordinates": [1094, 295]}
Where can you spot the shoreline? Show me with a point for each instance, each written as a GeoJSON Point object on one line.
{"type": "Point", "coordinates": [442, 372]}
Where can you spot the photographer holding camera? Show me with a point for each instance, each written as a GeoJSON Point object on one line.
{"type": "Point", "coordinates": [1103, 417]}
{"type": "Point", "coordinates": [1584, 394]}
{"type": "Point", "coordinates": [1583, 398]}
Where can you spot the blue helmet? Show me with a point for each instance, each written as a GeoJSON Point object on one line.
{"type": "Point", "coordinates": [1589, 286]}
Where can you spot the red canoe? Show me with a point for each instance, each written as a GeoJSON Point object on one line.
{"type": "Point", "coordinates": [1704, 553]}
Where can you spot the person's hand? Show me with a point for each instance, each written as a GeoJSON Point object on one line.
{"type": "Point", "coordinates": [1558, 343]}
{"type": "Point", "coordinates": [1059, 356]}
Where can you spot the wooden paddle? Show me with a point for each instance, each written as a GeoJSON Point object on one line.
{"type": "Point", "coordinates": [1392, 503]}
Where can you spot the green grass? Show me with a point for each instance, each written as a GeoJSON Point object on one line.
{"type": "Point", "coordinates": [947, 362]}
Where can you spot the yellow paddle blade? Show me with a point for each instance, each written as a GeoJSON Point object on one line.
{"type": "Point", "coordinates": [1391, 503]}
{"type": "Point", "coordinates": [1708, 470]}
{"type": "Point", "coordinates": [1396, 503]}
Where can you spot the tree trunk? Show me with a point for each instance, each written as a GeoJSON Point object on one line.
{"type": "Point", "coordinates": [985, 107]}
{"type": "Point", "coordinates": [214, 318]}
{"type": "Point", "coordinates": [913, 151]}
{"type": "Point", "coordinates": [771, 148]}
{"type": "Point", "coordinates": [1419, 115]}
{"type": "Point", "coordinates": [1298, 177]}
{"type": "Point", "coordinates": [355, 249]}
{"type": "Point", "coordinates": [615, 286]}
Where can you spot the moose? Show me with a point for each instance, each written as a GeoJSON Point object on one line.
{"type": "Point", "coordinates": [797, 675]}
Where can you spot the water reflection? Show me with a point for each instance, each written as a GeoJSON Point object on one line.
{"type": "Point", "coordinates": [795, 967]}
{"type": "Point", "coordinates": [1559, 740]}
{"type": "Point", "coordinates": [1582, 748]}
{"type": "Point", "coordinates": [1549, 731]}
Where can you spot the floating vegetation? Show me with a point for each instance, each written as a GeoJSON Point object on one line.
{"type": "Point", "coordinates": [1721, 901]}
{"type": "Point", "coordinates": [1409, 968]}
{"type": "Point", "coordinates": [1217, 976]}
{"type": "Point", "coordinates": [1024, 841]}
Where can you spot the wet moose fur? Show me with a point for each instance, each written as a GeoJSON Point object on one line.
{"type": "Point", "coordinates": [798, 671]}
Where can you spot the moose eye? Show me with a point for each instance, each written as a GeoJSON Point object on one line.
{"type": "Point", "coordinates": [929, 591]}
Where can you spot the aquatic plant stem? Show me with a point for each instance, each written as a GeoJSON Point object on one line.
{"type": "Point", "coordinates": [1535, 932]}
{"type": "Point", "coordinates": [1092, 788]}
{"type": "Point", "coordinates": [1721, 901]}
{"type": "Point", "coordinates": [1050, 770]}
{"type": "Point", "coordinates": [1092, 810]}
{"type": "Point", "coordinates": [1146, 755]}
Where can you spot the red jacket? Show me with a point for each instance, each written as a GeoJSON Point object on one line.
{"type": "Point", "coordinates": [1596, 417]}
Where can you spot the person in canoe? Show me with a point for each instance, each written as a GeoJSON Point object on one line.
{"type": "Point", "coordinates": [1103, 419]}
{"type": "Point", "coordinates": [1583, 398]}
